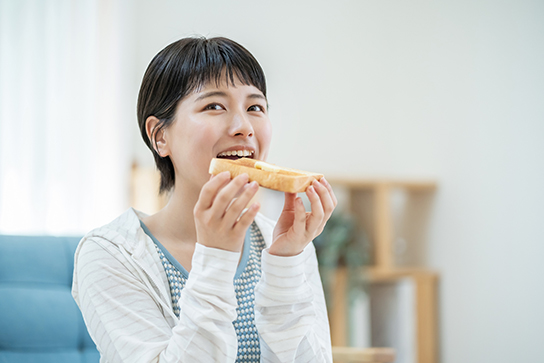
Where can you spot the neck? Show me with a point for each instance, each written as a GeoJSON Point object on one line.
{"type": "Point", "coordinates": [176, 219]}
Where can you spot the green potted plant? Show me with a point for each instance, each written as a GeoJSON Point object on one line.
{"type": "Point", "coordinates": [342, 244]}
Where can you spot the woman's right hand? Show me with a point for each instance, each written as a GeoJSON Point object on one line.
{"type": "Point", "coordinates": [218, 213]}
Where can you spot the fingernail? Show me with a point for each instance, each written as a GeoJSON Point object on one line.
{"type": "Point", "coordinates": [251, 185]}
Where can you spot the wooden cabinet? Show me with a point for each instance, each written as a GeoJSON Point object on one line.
{"type": "Point", "coordinates": [395, 215]}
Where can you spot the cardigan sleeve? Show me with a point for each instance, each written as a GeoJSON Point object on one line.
{"type": "Point", "coordinates": [126, 320]}
{"type": "Point", "coordinates": [290, 310]}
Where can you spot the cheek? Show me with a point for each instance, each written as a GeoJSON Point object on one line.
{"type": "Point", "coordinates": [192, 146]}
{"type": "Point", "coordinates": [200, 136]}
{"type": "Point", "coordinates": [264, 135]}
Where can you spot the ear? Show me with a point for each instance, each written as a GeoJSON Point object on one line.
{"type": "Point", "coordinates": [156, 136]}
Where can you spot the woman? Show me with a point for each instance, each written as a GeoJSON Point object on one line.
{"type": "Point", "coordinates": [207, 278]}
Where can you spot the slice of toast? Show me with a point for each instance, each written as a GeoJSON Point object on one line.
{"type": "Point", "coordinates": [267, 175]}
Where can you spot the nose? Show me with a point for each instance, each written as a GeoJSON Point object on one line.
{"type": "Point", "coordinates": [241, 125]}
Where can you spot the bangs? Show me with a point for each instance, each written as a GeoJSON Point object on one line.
{"type": "Point", "coordinates": [218, 59]}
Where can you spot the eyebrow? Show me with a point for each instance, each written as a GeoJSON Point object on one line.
{"type": "Point", "coordinates": [223, 94]}
{"type": "Point", "coordinates": [211, 94]}
{"type": "Point", "coordinates": [257, 95]}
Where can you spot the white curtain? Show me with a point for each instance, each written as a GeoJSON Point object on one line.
{"type": "Point", "coordinates": [64, 114]}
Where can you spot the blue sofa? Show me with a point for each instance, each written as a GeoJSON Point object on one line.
{"type": "Point", "coordinates": [39, 320]}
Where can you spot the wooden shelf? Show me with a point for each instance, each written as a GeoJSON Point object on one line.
{"type": "Point", "coordinates": [362, 355]}
{"type": "Point", "coordinates": [425, 311]}
{"type": "Point", "coordinates": [370, 203]}
{"type": "Point", "coordinates": [373, 184]}
{"type": "Point", "coordinates": [373, 274]}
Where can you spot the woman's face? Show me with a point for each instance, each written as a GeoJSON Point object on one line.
{"type": "Point", "coordinates": [217, 121]}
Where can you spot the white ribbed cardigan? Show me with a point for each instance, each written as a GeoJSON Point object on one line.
{"type": "Point", "coordinates": [121, 288]}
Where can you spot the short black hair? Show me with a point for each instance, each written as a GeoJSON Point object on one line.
{"type": "Point", "coordinates": [182, 68]}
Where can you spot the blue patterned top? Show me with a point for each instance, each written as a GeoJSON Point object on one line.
{"type": "Point", "coordinates": [247, 275]}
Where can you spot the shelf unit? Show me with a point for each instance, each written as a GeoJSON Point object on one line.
{"type": "Point", "coordinates": [376, 208]}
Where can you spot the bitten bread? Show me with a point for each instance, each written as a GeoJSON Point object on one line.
{"type": "Point", "coordinates": [266, 175]}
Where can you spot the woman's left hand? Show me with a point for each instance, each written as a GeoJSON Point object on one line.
{"type": "Point", "coordinates": [296, 227]}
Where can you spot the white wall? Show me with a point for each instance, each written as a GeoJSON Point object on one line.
{"type": "Point", "coordinates": [451, 90]}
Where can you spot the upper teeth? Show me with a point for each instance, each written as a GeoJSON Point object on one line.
{"type": "Point", "coordinates": [239, 153]}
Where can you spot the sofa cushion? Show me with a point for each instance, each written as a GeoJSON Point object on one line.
{"type": "Point", "coordinates": [39, 320]}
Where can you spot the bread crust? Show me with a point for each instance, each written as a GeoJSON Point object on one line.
{"type": "Point", "coordinates": [282, 179]}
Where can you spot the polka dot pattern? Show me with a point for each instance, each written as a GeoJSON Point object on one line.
{"type": "Point", "coordinates": [176, 280]}
{"type": "Point", "coordinates": [248, 337]}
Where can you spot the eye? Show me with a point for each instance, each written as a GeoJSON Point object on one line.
{"type": "Point", "coordinates": [257, 108]}
{"type": "Point", "coordinates": [214, 107]}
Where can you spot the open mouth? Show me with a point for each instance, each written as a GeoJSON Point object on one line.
{"type": "Point", "coordinates": [236, 154]}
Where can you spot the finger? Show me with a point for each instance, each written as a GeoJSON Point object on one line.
{"type": "Point", "coordinates": [226, 195]}
{"type": "Point", "coordinates": [210, 190]}
{"type": "Point", "coordinates": [317, 215]}
{"type": "Point", "coordinates": [299, 222]}
{"type": "Point", "coordinates": [331, 192]}
{"type": "Point", "coordinates": [235, 209]}
{"type": "Point", "coordinates": [247, 218]}
{"type": "Point", "coordinates": [325, 196]}
{"type": "Point", "coordinates": [289, 204]}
